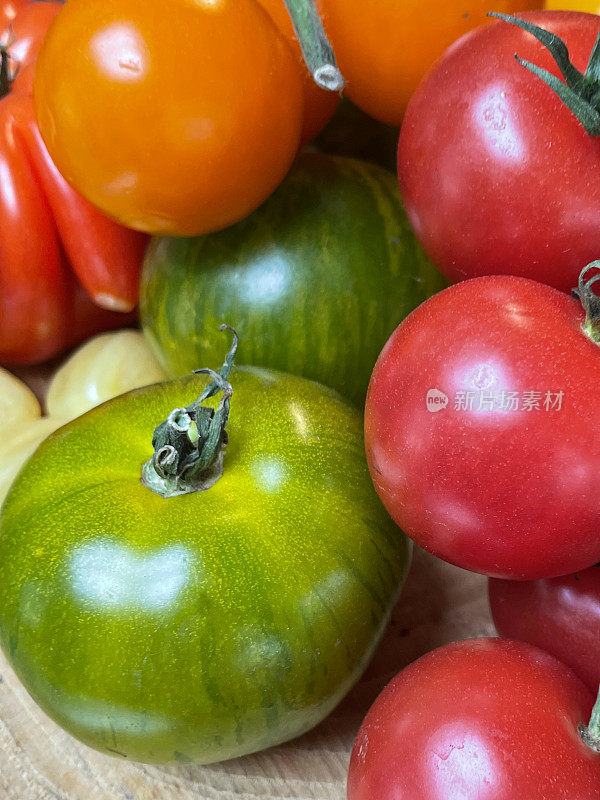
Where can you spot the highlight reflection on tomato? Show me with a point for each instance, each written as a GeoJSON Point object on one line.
{"type": "Point", "coordinates": [65, 268]}
{"type": "Point", "coordinates": [211, 624]}
{"type": "Point", "coordinates": [178, 117]}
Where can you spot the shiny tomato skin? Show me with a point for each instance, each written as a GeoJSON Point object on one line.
{"type": "Point", "coordinates": [494, 169]}
{"type": "Point", "coordinates": [560, 615]}
{"type": "Point", "coordinates": [26, 23]}
{"type": "Point", "coordinates": [384, 47]}
{"type": "Point", "coordinates": [179, 117]}
{"type": "Point", "coordinates": [80, 271]}
{"type": "Point", "coordinates": [210, 625]}
{"type": "Point", "coordinates": [483, 719]}
{"type": "Point", "coordinates": [493, 488]}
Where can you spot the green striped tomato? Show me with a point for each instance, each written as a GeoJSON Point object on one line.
{"type": "Point", "coordinates": [315, 281]}
{"type": "Point", "coordinates": [209, 625]}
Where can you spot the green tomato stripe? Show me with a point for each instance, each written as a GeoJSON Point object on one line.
{"type": "Point", "coordinates": [314, 281]}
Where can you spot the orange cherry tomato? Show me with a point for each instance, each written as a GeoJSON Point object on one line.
{"type": "Point", "coordinates": [178, 117]}
{"type": "Point", "coordinates": [319, 104]}
{"type": "Point", "coordinates": [384, 47]}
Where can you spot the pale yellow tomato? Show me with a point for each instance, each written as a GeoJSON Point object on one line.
{"type": "Point", "coordinates": [104, 367]}
{"type": "Point", "coordinates": [17, 402]}
{"type": "Point", "coordinates": [19, 440]}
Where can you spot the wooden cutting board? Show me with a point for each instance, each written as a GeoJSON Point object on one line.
{"type": "Point", "coordinates": [38, 761]}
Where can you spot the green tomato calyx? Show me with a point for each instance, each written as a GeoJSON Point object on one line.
{"type": "Point", "coordinates": [589, 300]}
{"type": "Point", "coordinates": [590, 733]}
{"type": "Point", "coordinates": [188, 445]}
{"type": "Point", "coordinates": [580, 91]}
{"type": "Point", "coordinates": [316, 49]}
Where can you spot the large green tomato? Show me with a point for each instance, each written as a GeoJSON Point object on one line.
{"type": "Point", "coordinates": [314, 281]}
{"type": "Point", "coordinates": [208, 625]}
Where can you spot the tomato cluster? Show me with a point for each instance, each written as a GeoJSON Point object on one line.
{"type": "Point", "coordinates": [243, 544]}
{"type": "Point", "coordinates": [481, 423]}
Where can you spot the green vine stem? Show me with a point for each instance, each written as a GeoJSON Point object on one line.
{"type": "Point", "coordinates": [589, 300]}
{"type": "Point", "coordinates": [188, 445]}
{"type": "Point", "coordinates": [316, 49]}
{"type": "Point", "coordinates": [580, 91]}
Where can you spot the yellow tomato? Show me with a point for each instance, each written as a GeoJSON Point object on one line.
{"type": "Point", "coordinates": [593, 6]}
{"type": "Point", "coordinates": [102, 368]}
{"type": "Point", "coordinates": [19, 441]}
{"type": "Point", "coordinates": [17, 402]}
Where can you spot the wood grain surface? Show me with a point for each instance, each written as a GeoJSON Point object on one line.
{"type": "Point", "coordinates": [39, 761]}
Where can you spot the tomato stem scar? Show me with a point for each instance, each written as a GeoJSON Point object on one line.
{"type": "Point", "coordinates": [590, 733]}
{"type": "Point", "coordinates": [188, 445]}
{"type": "Point", "coordinates": [590, 300]}
{"type": "Point", "coordinates": [6, 74]}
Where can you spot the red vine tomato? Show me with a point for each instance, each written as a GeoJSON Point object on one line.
{"type": "Point", "coordinates": [483, 436]}
{"type": "Point", "coordinates": [486, 719]}
{"type": "Point", "coordinates": [560, 615]}
{"type": "Point", "coordinates": [495, 170]}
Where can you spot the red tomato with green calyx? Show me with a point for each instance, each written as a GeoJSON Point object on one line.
{"type": "Point", "coordinates": [494, 168]}
{"type": "Point", "coordinates": [560, 615]}
{"type": "Point", "coordinates": [483, 437]}
{"type": "Point", "coordinates": [485, 719]}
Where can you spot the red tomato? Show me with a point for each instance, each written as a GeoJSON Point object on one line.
{"type": "Point", "coordinates": [482, 429]}
{"type": "Point", "coordinates": [53, 244]}
{"type": "Point", "coordinates": [494, 169]}
{"type": "Point", "coordinates": [485, 719]}
{"type": "Point", "coordinates": [560, 615]}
